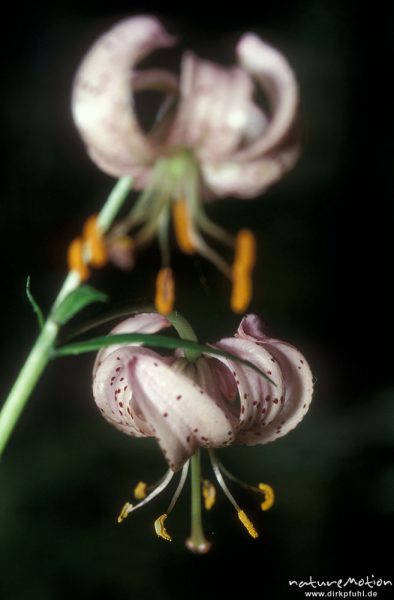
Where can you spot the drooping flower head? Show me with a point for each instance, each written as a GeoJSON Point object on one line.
{"type": "Point", "coordinates": [205, 403]}
{"type": "Point", "coordinates": [210, 140]}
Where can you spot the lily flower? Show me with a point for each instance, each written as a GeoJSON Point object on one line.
{"type": "Point", "coordinates": [209, 140]}
{"type": "Point", "coordinates": [202, 403]}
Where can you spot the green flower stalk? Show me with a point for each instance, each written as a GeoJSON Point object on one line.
{"type": "Point", "coordinates": [41, 352]}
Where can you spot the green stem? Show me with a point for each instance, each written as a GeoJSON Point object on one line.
{"type": "Point", "coordinates": [197, 541]}
{"type": "Point", "coordinates": [185, 332]}
{"type": "Point", "coordinates": [26, 381]}
{"type": "Point", "coordinates": [41, 352]}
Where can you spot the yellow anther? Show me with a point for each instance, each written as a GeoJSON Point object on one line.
{"type": "Point", "coordinates": [182, 226]}
{"type": "Point", "coordinates": [165, 291]}
{"type": "Point", "coordinates": [247, 523]}
{"type": "Point", "coordinates": [75, 259]}
{"type": "Point", "coordinates": [124, 512]}
{"type": "Point", "coordinates": [244, 261]}
{"type": "Point", "coordinates": [209, 494]}
{"type": "Point", "coordinates": [140, 490]}
{"type": "Point", "coordinates": [93, 238]}
{"type": "Point", "coordinates": [269, 496]}
{"type": "Point", "coordinates": [161, 530]}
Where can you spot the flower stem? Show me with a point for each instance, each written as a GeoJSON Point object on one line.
{"type": "Point", "coordinates": [41, 352]}
{"type": "Point", "coordinates": [197, 541]}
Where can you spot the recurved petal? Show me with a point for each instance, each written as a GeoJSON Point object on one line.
{"type": "Point", "coordinates": [102, 102]}
{"type": "Point", "coordinates": [260, 400]}
{"type": "Point", "coordinates": [277, 81]}
{"type": "Point", "coordinates": [181, 414]}
{"type": "Point", "coordinates": [113, 393]}
{"type": "Point", "coordinates": [138, 323]}
{"type": "Point", "coordinates": [251, 328]}
{"type": "Point", "coordinates": [216, 110]}
{"type": "Point", "coordinates": [298, 385]}
{"type": "Point", "coordinates": [287, 402]}
{"type": "Point", "coordinates": [247, 180]}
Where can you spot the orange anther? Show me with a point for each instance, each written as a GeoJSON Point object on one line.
{"type": "Point", "coordinates": [92, 236]}
{"type": "Point", "coordinates": [75, 259]}
{"type": "Point", "coordinates": [245, 249]}
{"type": "Point", "coordinates": [182, 226]}
{"type": "Point", "coordinates": [245, 257]}
{"type": "Point", "coordinates": [165, 291]}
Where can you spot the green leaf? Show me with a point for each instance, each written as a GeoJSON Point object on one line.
{"type": "Point", "coordinates": [75, 302]}
{"type": "Point", "coordinates": [152, 341]}
{"type": "Point", "coordinates": [36, 308]}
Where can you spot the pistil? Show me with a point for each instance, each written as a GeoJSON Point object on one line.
{"type": "Point", "coordinates": [197, 542]}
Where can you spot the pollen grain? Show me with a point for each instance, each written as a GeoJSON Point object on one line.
{"type": "Point", "coordinates": [140, 490]}
{"type": "Point", "coordinates": [269, 496]}
{"type": "Point", "coordinates": [160, 529]}
{"type": "Point", "coordinates": [247, 523]}
{"type": "Point", "coordinates": [87, 250]}
{"type": "Point", "coordinates": [182, 226]}
{"type": "Point", "coordinates": [209, 494]}
{"type": "Point", "coordinates": [244, 261]}
{"type": "Point", "coordinates": [93, 238]}
{"type": "Point", "coordinates": [75, 259]}
{"type": "Point", "coordinates": [124, 512]}
{"type": "Point", "coordinates": [165, 291]}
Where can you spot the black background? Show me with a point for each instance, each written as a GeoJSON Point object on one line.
{"type": "Point", "coordinates": [323, 283]}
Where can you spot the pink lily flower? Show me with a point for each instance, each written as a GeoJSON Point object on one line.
{"type": "Point", "coordinates": [208, 403]}
{"type": "Point", "coordinates": [210, 140]}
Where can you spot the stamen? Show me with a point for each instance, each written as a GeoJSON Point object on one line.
{"type": "Point", "coordinates": [126, 509]}
{"type": "Point", "coordinates": [93, 238]}
{"type": "Point", "coordinates": [75, 259]}
{"type": "Point", "coordinates": [221, 482]}
{"type": "Point", "coordinates": [269, 496]}
{"type": "Point", "coordinates": [159, 523]}
{"type": "Point", "coordinates": [165, 291]}
{"type": "Point", "coordinates": [245, 258]}
{"type": "Point", "coordinates": [247, 523]}
{"type": "Point", "coordinates": [178, 491]}
{"type": "Point", "coordinates": [89, 249]}
{"type": "Point", "coordinates": [209, 494]}
{"type": "Point", "coordinates": [161, 530]}
{"type": "Point", "coordinates": [140, 490]}
{"type": "Point", "coordinates": [182, 226]}
{"type": "Point", "coordinates": [267, 490]}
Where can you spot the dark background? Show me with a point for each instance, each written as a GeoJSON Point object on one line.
{"type": "Point", "coordinates": [322, 283]}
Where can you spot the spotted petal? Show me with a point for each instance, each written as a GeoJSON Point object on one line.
{"type": "Point", "coordinates": [113, 393]}
{"type": "Point", "coordinates": [111, 390]}
{"type": "Point", "coordinates": [277, 81]}
{"type": "Point", "coordinates": [102, 101]}
{"type": "Point", "coordinates": [181, 414]}
{"type": "Point", "coordinates": [138, 323]}
{"type": "Point", "coordinates": [274, 148]}
{"type": "Point", "coordinates": [247, 180]}
{"type": "Point", "coordinates": [267, 411]}
{"type": "Point", "coordinates": [216, 110]}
